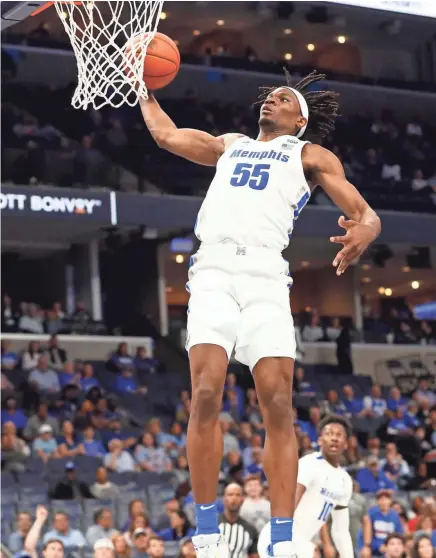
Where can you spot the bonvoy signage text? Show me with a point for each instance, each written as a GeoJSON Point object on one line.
{"type": "Point", "coordinates": [49, 204]}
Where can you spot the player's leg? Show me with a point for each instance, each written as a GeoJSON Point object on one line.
{"type": "Point", "coordinates": [273, 378]}
{"type": "Point", "coordinates": [266, 342]}
{"type": "Point", "coordinates": [204, 440]}
{"type": "Point", "coordinates": [213, 321]}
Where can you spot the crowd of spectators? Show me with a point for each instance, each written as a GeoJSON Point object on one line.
{"type": "Point", "coordinates": [29, 317]}
{"type": "Point", "coordinates": [390, 161]}
{"type": "Point", "coordinates": [73, 421]}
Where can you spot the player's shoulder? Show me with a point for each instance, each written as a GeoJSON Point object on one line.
{"type": "Point", "coordinates": [311, 460]}
{"type": "Point", "coordinates": [229, 139]}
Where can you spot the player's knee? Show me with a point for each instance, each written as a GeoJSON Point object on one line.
{"type": "Point", "coordinates": [277, 409]}
{"type": "Point", "coordinates": [206, 398]}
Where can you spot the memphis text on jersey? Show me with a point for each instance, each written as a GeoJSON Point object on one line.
{"type": "Point", "coordinates": [271, 154]}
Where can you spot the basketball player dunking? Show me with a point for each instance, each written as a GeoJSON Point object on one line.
{"type": "Point", "coordinates": [238, 282]}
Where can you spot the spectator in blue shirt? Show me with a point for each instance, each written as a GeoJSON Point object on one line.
{"type": "Point", "coordinates": [121, 359]}
{"type": "Point", "coordinates": [396, 399]}
{"type": "Point", "coordinates": [88, 380]}
{"type": "Point", "coordinates": [375, 404]}
{"type": "Point", "coordinates": [43, 378]}
{"type": "Point", "coordinates": [333, 405]}
{"type": "Point", "coordinates": [115, 432]}
{"type": "Point", "coordinates": [62, 532]}
{"type": "Point", "coordinates": [301, 385]}
{"type": "Point", "coordinates": [69, 443]}
{"type": "Point", "coordinates": [180, 527]}
{"type": "Point", "coordinates": [371, 479]}
{"type": "Point", "coordinates": [9, 358]}
{"type": "Point", "coordinates": [17, 538]}
{"type": "Point", "coordinates": [45, 446]}
{"type": "Point", "coordinates": [410, 416]}
{"type": "Point", "coordinates": [127, 383]}
{"type": "Point", "coordinates": [397, 425]}
{"type": "Point", "coordinates": [353, 405]}
{"type": "Point", "coordinates": [256, 467]}
{"type": "Point", "coordinates": [12, 414]}
{"type": "Point", "coordinates": [92, 446]}
{"type": "Point", "coordinates": [384, 521]}
{"type": "Point", "coordinates": [68, 376]}
{"type": "Point", "coordinates": [311, 426]}
{"type": "Point", "coordinates": [144, 363]}
{"type": "Point", "coordinates": [234, 399]}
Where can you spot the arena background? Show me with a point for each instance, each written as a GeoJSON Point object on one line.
{"type": "Point", "coordinates": [96, 239]}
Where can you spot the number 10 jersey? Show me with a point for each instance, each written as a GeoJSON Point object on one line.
{"type": "Point", "coordinates": [258, 192]}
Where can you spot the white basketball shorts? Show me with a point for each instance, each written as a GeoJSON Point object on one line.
{"type": "Point", "coordinates": [239, 298]}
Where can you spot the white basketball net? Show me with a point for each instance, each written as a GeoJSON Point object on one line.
{"type": "Point", "coordinates": [99, 31]}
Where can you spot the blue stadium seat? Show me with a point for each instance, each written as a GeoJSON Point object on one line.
{"type": "Point", "coordinates": [9, 495]}
{"type": "Point", "coordinates": [35, 465]}
{"type": "Point", "coordinates": [8, 511]}
{"type": "Point", "coordinates": [122, 479]}
{"type": "Point", "coordinates": [87, 463]}
{"type": "Point", "coordinates": [146, 478]}
{"type": "Point", "coordinates": [32, 498]}
{"type": "Point", "coordinates": [7, 479]}
{"type": "Point", "coordinates": [56, 467]}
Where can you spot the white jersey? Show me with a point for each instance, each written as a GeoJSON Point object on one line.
{"type": "Point", "coordinates": [258, 191]}
{"type": "Point", "coordinates": [326, 488]}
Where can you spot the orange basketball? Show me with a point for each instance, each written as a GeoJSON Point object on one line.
{"type": "Point", "coordinates": [162, 61]}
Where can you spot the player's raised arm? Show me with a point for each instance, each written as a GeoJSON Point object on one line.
{"type": "Point", "coordinates": [195, 145]}
{"type": "Point", "coordinates": [363, 225]}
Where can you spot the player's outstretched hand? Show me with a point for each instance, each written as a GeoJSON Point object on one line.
{"type": "Point", "coordinates": [355, 241]}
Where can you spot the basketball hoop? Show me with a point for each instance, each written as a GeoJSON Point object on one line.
{"type": "Point", "coordinates": [98, 31]}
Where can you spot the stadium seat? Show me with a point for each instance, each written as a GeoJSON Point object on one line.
{"type": "Point", "coordinates": [7, 480]}
{"type": "Point", "coordinates": [35, 465]}
{"type": "Point", "coordinates": [8, 511]}
{"type": "Point", "coordinates": [9, 495]}
{"type": "Point", "coordinates": [122, 479]}
{"type": "Point", "coordinates": [87, 463]}
{"type": "Point", "coordinates": [146, 478]}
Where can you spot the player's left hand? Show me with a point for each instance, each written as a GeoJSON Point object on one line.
{"type": "Point", "coordinates": [355, 241]}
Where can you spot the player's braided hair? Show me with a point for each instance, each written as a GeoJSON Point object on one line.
{"type": "Point", "coordinates": [323, 105]}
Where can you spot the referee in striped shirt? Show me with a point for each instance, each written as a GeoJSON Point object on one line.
{"type": "Point", "coordinates": [240, 536]}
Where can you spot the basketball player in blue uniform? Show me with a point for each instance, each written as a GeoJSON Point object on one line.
{"type": "Point", "coordinates": [238, 283]}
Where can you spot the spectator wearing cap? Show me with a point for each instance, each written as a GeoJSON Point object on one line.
{"type": "Point", "coordinates": [395, 546]}
{"type": "Point", "coordinates": [103, 527]}
{"type": "Point", "coordinates": [156, 547]}
{"type": "Point", "coordinates": [383, 520]}
{"type": "Point", "coordinates": [88, 379]}
{"type": "Point", "coordinates": [92, 446]}
{"type": "Point", "coordinates": [140, 541]}
{"type": "Point", "coordinates": [45, 446]}
{"type": "Point", "coordinates": [372, 479]}
{"type": "Point", "coordinates": [41, 417]}
{"type": "Point", "coordinates": [17, 538]}
{"type": "Point", "coordinates": [103, 488]}
{"type": "Point", "coordinates": [9, 359]}
{"type": "Point", "coordinates": [151, 458]}
{"type": "Point", "coordinates": [43, 378]}
{"type": "Point", "coordinates": [62, 532]}
{"type": "Point", "coordinates": [12, 414]}
{"type": "Point", "coordinates": [69, 442]}
{"type": "Point", "coordinates": [104, 548]}
{"type": "Point", "coordinates": [70, 487]}
{"type": "Point", "coordinates": [118, 459]}
{"type": "Point", "coordinates": [121, 359]}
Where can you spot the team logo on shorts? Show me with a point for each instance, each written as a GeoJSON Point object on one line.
{"type": "Point", "coordinates": [241, 251]}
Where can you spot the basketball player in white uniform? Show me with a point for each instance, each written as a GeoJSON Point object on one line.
{"type": "Point", "coordinates": [324, 489]}
{"type": "Point", "coordinates": [239, 281]}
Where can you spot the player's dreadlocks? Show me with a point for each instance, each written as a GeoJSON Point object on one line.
{"type": "Point", "coordinates": [323, 105]}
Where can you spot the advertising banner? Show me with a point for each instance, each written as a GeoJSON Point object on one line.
{"type": "Point", "coordinates": [59, 203]}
